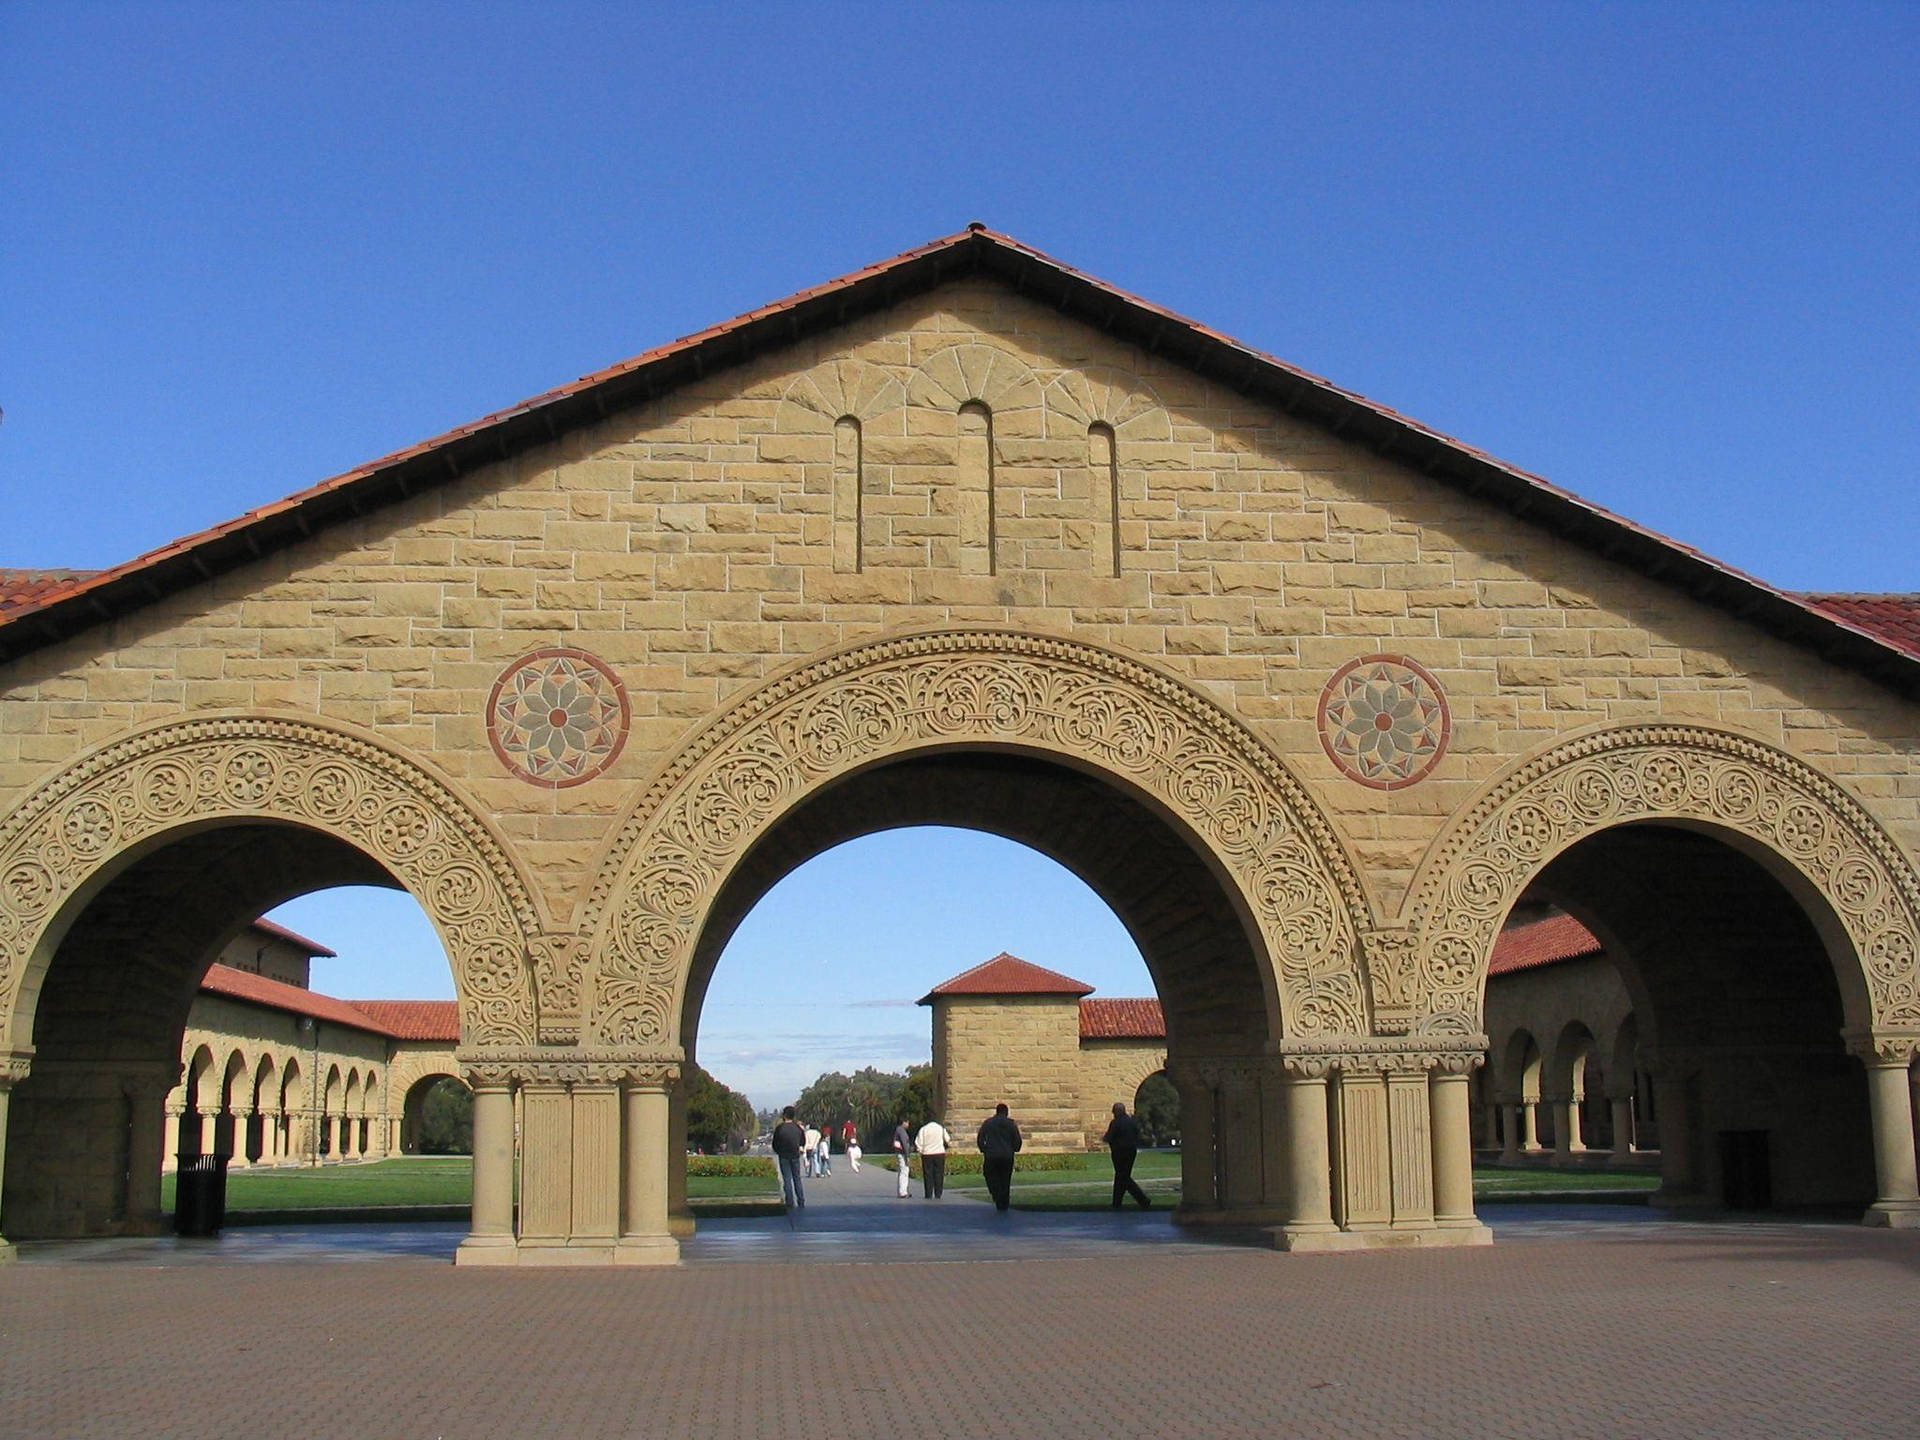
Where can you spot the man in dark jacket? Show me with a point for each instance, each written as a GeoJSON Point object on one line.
{"type": "Point", "coordinates": [788, 1141]}
{"type": "Point", "coordinates": [1123, 1139]}
{"type": "Point", "coordinates": [999, 1142]}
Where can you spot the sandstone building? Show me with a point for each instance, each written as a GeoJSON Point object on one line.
{"type": "Point", "coordinates": [274, 1073]}
{"type": "Point", "coordinates": [1313, 696]}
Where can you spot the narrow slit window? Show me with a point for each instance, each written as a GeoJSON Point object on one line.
{"type": "Point", "coordinates": [976, 489]}
{"type": "Point", "coordinates": [848, 490]}
{"type": "Point", "coordinates": [1103, 488]}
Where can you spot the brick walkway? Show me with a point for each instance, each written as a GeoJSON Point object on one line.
{"type": "Point", "coordinates": [1681, 1331]}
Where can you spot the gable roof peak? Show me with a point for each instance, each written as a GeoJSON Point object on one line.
{"type": "Point", "coordinates": [1007, 974]}
{"type": "Point", "coordinates": [52, 615]}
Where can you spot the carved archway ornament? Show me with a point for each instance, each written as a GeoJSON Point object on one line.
{"type": "Point", "coordinates": [260, 768]}
{"type": "Point", "coordinates": [1093, 708]}
{"type": "Point", "coordinates": [1495, 847]}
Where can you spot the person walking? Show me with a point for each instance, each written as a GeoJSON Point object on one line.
{"type": "Point", "coordinates": [788, 1138]}
{"type": "Point", "coordinates": [824, 1156]}
{"type": "Point", "coordinates": [932, 1142]}
{"type": "Point", "coordinates": [999, 1142]}
{"type": "Point", "coordinates": [903, 1155]}
{"type": "Point", "coordinates": [812, 1152]}
{"type": "Point", "coordinates": [1123, 1140]}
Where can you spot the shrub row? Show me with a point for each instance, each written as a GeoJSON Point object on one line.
{"type": "Point", "coordinates": [758, 1165]}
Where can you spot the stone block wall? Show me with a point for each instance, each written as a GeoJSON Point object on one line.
{"type": "Point", "coordinates": [1023, 1050]}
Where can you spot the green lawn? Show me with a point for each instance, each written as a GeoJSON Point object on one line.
{"type": "Point", "coordinates": [448, 1180]}
{"type": "Point", "coordinates": [1090, 1186]}
{"type": "Point", "coordinates": [418, 1180]}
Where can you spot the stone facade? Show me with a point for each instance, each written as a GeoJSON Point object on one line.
{"type": "Point", "coordinates": [965, 538]}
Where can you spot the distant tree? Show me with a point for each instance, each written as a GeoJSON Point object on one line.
{"type": "Point", "coordinates": [827, 1102]}
{"type": "Point", "coordinates": [719, 1120]}
{"type": "Point", "coordinates": [446, 1119]}
{"type": "Point", "coordinates": [1157, 1108]}
{"type": "Point", "coordinates": [917, 1096]}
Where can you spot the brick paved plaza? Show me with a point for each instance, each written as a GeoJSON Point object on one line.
{"type": "Point", "coordinates": [1591, 1324]}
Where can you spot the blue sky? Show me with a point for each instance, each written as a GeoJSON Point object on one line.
{"type": "Point", "coordinates": [1662, 255]}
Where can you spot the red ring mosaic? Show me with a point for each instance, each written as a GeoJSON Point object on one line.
{"type": "Point", "coordinates": [558, 717]}
{"type": "Point", "coordinates": [1384, 721]}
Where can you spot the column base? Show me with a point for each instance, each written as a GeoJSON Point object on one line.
{"type": "Point", "coordinates": [1893, 1215]}
{"type": "Point", "coordinates": [647, 1250]}
{"type": "Point", "coordinates": [487, 1250]}
{"type": "Point", "coordinates": [1261, 1215]}
{"type": "Point", "coordinates": [682, 1226]}
{"type": "Point", "coordinates": [1320, 1242]}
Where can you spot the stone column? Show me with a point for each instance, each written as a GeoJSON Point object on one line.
{"type": "Point", "coordinates": [1566, 1131]}
{"type": "Point", "coordinates": [242, 1114]}
{"type": "Point", "coordinates": [1453, 1147]}
{"type": "Point", "coordinates": [1529, 1130]}
{"type": "Point", "coordinates": [645, 1234]}
{"type": "Point", "coordinates": [490, 1240]}
{"type": "Point", "coordinates": [1198, 1195]}
{"type": "Point", "coordinates": [1410, 1145]}
{"type": "Point", "coordinates": [1890, 1097]}
{"type": "Point", "coordinates": [1510, 1142]}
{"type": "Point", "coordinates": [1679, 1182]}
{"type": "Point", "coordinates": [170, 1141]}
{"type": "Point", "coordinates": [146, 1104]}
{"type": "Point", "coordinates": [1622, 1106]}
{"type": "Point", "coordinates": [1309, 1166]}
{"type": "Point", "coordinates": [546, 1160]}
{"type": "Point", "coordinates": [679, 1214]}
{"type": "Point", "coordinates": [1363, 1161]}
{"type": "Point", "coordinates": [13, 1069]}
{"type": "Point", "coordinates": [209, 1132]}
{"type": "Point", "coordinates": [1242, 1183]}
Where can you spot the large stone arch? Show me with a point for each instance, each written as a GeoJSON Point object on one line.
{"type": "Point", "coordinates": [67, 837]}
{"type": "Point", "coordinates": [1049, 696]}
{"type": "Point", "coordinates": [1767, 800]}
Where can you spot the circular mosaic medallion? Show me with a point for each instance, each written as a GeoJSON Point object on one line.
{"type": "Point", "coordinates": [558, 717]}
{"type": "Point", "coordinates": [1384, 721]}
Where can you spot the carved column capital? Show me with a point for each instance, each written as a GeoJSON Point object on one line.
{"type": "Point", "coordinates": [15, 1065]}
{"type": "Point", "coordinates": [1884, 1047]}
{"type": "Point", "coordinates": [1393, 976]}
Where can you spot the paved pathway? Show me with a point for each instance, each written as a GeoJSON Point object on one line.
{"type": "Point", "coordinates": [1620, 1330]}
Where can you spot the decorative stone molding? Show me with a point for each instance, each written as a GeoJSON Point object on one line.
{"type": "Point", "coordinates": [975, 372]}
{"type": "Point", "coordinates": [735, 778]}
{"type": "Point", "coordinates": [567, 1069]}
{"type": "Point", "coordinates": [1102, 395]}
{"type": "Point", "coordinates": [1899, 1048]}
{"type": "Point", "coordinates": [1392, 974]}
{"type": "Point", "coordinates": [1387, 1055]}
{"type": "Point", "coordinates": [1491, 851]}
{"type": "Point", "coordinates": [559, 971]}
{"type": "Point", "coordinates": [846, 387]}
{"type": "Point", "coordinates": [14, 1068]}
{"type": "Point", "coordinates": [252, 768]}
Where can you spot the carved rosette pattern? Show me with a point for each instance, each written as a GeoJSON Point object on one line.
{"type": "Point", "coordinates": [254, 768]}
{"type": "Point", "coordinates": [558, 718]}
{"type": "Point", "coordinates": [973, 687]}
{"type": "Point", "coordinates": [1664, 772]}
{"type": "Point", "coordinates": [1384, 721]}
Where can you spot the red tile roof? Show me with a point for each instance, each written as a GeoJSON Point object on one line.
{"type": "Point", "coordinates": [1007, 975]}
{"type": "Point", "coordinates": [415, 1019]}
{"type": "Point", "coordinates": [24, 589]}
{"type": "Point", "coordinates": [280, 932]}
{"type": "Point", "coordinates": [259, 990]}
{"type": "Point", "coordinates": [1893, 618]}
{"type": "Point", "coordinates": [71, 607]}
{"type": "Point", "coordinates": [1544, 942]}
{"type": "Point", "coordinates": [1122, 1020]}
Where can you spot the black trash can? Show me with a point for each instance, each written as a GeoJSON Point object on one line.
{"type": "Point", "coordinates": [200, 1195]}
{"type": "Point", "coordinates": [1745, 1172]}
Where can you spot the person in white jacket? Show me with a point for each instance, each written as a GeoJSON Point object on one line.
{"type": "Point", "coordinates": [932, 1142]}
{"type": "Point", "coordinates": [812, 1151]}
